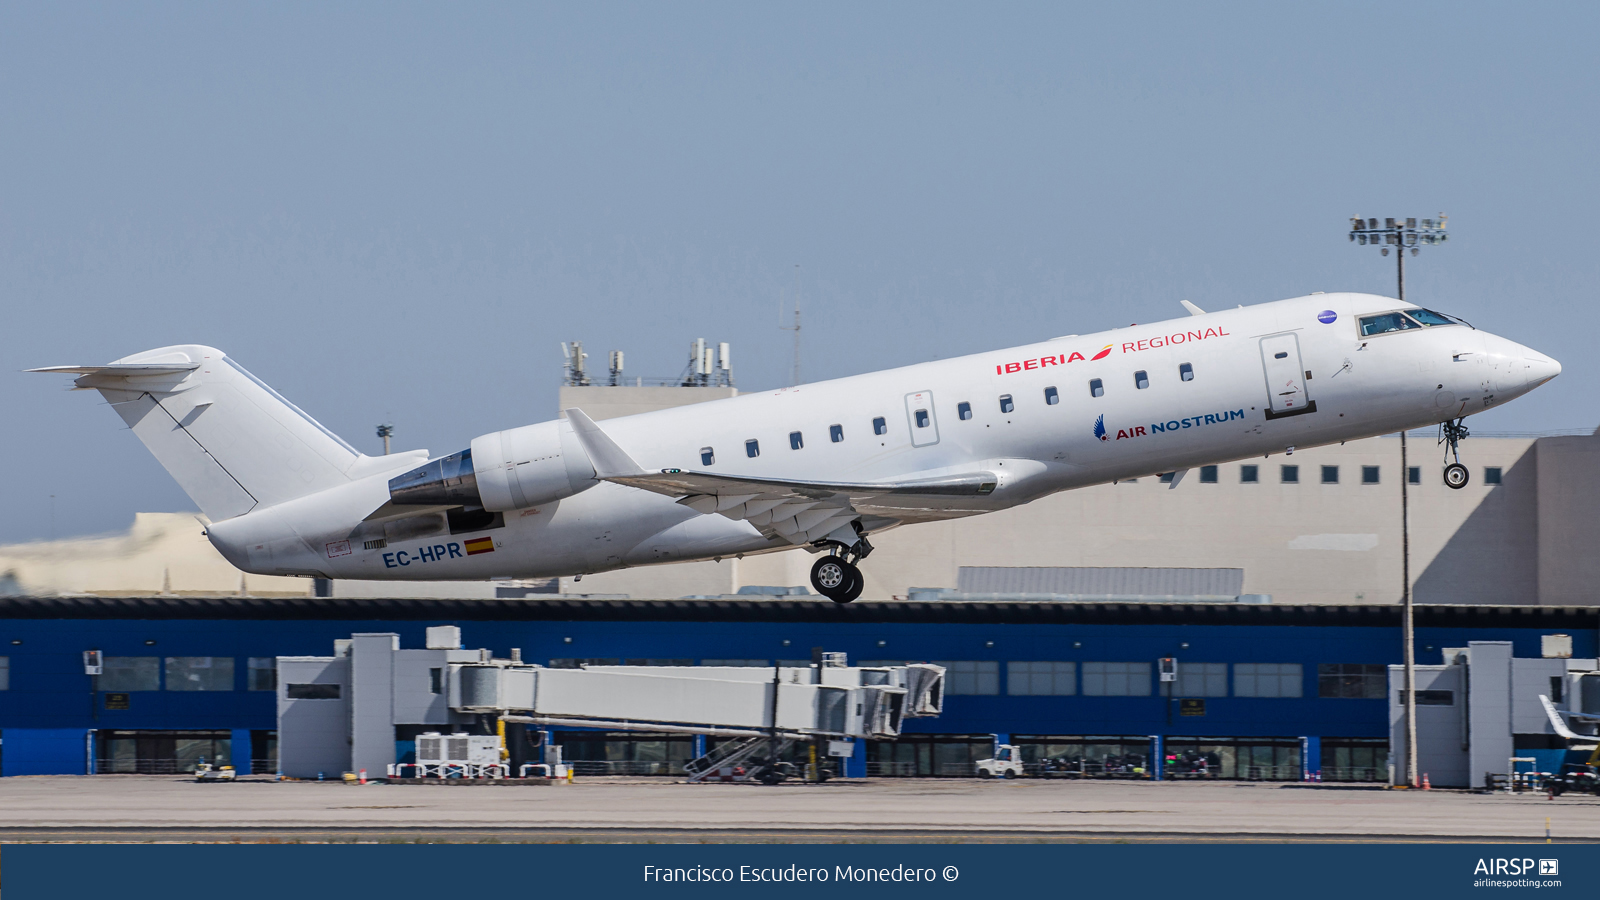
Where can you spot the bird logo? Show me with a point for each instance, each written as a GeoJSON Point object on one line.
{"type": "Point", "coordinates": [1100, 427]}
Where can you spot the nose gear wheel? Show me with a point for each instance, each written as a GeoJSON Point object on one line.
{"type": "Point", "coordinates": [1451, 434]}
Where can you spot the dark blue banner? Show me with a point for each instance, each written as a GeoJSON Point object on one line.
{"type": "Point", "coordinates": [1189, 871]}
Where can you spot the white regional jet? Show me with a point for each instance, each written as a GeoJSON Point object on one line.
{"type": "Point", "coordinates": [822, 466]}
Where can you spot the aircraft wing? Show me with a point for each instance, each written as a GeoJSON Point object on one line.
{"type": "Point", "coordinates": [798, 511]}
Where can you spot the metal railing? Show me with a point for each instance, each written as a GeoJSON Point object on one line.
{"type": "Point", "coordinates": [1354, 773]}
{"type": "Point", "coordinates": [1270, 773]}
{"type": "Point", "coordinates": [625, 767]}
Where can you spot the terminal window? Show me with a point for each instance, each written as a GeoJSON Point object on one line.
{"type": "Point", "coordinates": [751, 663]}
{"type": "Point", "coordinates": [1414, 474]}
{"type": "Point", "coordinates": [1353, 681]}
{"type": "Point", "coordinates": [263, 673]}
{"type": "Point", "coordinates": [199, 673]}
{"type": "Point", "coordinates": [5, 673]}
{"type": "Point", "coordinates": [971, 677]}
{"type": "Point", "coordinates": [1041, 679]}
{"type": "Point", "coordinates": [1369, 474]}
{"type": "Point", "coordinates": [1249, 474]}
{"type": "Point", "coordinates": [1432, 698]}
{"type": "Point", "coordinates": [1289, 474]}
{"type": "Point", "coordinates": [1208, 474]}
{"type": "Point", "coordinates": [1330, 474]}
{"type": "Point", "coordinates": [130, 673]}
{"type": "Point", "coordinates": [1116, 679]}
{"type": "Point", "coordinates": [1491, 475]}
{"type": "Point", "coordinates": [1201, 680]}
{"type": "Point", "coordinates": [1267, 680]}
{"type": "Point", "coordinates": [311, 691]}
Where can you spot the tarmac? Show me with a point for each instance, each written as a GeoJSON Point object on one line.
{"type": "Point", "coordinates": [139, 808]}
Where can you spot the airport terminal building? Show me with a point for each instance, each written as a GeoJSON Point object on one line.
{"type": "Point", "coordinates": [1263, 691]}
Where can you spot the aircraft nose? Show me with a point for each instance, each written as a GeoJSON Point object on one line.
{"type": "Point", "coordinates": [1541, 368]}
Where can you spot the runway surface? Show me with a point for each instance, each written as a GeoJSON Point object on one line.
{"type": "Point", "coordinates": [137, 808]}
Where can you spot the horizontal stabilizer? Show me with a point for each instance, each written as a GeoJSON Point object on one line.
{"type": "Point", "coordinates": [126, 370]}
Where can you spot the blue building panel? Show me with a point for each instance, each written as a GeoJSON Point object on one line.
{"type": "Point", "coordinates": [50, 706]}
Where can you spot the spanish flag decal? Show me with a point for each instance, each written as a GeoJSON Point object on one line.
{"type": "Point", "coordinates": [480, 545]}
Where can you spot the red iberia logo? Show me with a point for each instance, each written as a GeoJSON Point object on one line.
{"type": "Point", "coordinates": [1029, 365]}
{"type": "Point", "coordinates": [479, 545]}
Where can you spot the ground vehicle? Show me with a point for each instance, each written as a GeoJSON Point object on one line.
{"type": "Point", "coordinates": [1575, 777]}
{"type": "Point", "coordinates": [207, 772]}
{"type": "Point", "coordinates": [1006, 762]}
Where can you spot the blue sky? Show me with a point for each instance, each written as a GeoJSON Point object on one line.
{"type": "Point", "coordinates": [396, 211]}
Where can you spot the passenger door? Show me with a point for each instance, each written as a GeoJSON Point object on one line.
{"type": "Point", "coordinates": [1286, 376]}
{"type": "Point", "coordinates": [919, 415]}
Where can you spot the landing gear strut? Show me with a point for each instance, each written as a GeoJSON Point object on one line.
{"type": "Point", "coordinates": [836, 575]}
{"type": "Point", "coordinates": [1452, 433]}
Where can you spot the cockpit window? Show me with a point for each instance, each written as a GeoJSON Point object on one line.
{"type": "Point", "coordinates": [1429, 317]}
{"type": "Point", "coordinates": [1385, 323]}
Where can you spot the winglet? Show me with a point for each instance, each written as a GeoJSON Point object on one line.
{"type": "Point", "coordinates": [609, 460]}
{"type": "Point", "coordinates": [1557, 722]}
{"type": "Point", "coordinates": [1193, 310]}
{"type": "Point", "coordinates": [1177, 476]}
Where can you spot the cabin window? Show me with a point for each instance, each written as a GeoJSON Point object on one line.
{"type": "Point", "coordinates": [1051, 397]}
{"type": "Point", "coordinates": [1330, 474]}
{"type": "Point", "coordinates": [1186, 372]}
{"type": "Point", "coordinates": [1097, 388]}
{"type": "Point", "coordinates": [752, 448]}
{"type": "Point", "coordinates": [1005, 403]}
{"type": "Point", "coordinates": [1141, 379]}
{"type": "Point", "coordinates": [796, 441]}
{"type": "Point", "coordinates": [880, 425]}
{"type": "Point", "coordinates": [1208, 474]}
{"type": "Point", "coordinates": [836, 433]}
{"type": "Point", "coordinates": [1289, 474]}
{"type": "Point", "coordinates": [1369, 474]}
{"type": "Point", "coordinates": [922, 418]}
{"type": "Point", "coordinates": [707, 456]}
{"type": "Point", "coordinates": [1491, 475]}
{"type": "Point", "coordinates": [1249, 474]}
{"type": "Point", "coordinates": [963, 410]}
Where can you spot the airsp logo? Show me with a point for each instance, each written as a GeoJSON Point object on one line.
{"type": "Point", "coordinates": [1549, 867]}
{"type": "Point", "coordinates": [1515, 867]}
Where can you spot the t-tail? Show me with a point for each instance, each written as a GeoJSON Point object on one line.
{"type": "Point", "coordinates": [231, 442]}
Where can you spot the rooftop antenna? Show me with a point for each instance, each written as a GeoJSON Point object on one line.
{"type": "Point", "coordinates": [574, 356]}
{"type": "Point", "coordinates": [795, 380]}
{"type": "Point", "coordinates": [616, 367]}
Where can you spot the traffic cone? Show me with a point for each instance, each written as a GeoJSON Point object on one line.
{"type": "Point", "coordinates": [1425, 785]}
{"type": "Point", "coordinates": [363, 776]}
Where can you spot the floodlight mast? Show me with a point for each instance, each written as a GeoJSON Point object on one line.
{"type": "Point", "coordinates": [1401, 235]}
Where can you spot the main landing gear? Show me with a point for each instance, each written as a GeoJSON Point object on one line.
{"type": "Point", "coordinates": [836, 575]}
{"type": "Point", "coordinates": [1452, 433]}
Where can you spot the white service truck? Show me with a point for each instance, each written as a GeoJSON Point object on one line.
{"type": "Point", "coordinates": [1006, 763]}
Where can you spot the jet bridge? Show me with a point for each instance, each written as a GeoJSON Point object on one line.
{"type": "Point", "coordinates": [345, 712]}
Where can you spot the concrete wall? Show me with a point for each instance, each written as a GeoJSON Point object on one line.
{"type": "Point", "coordinates": [604, 402]}
{"type": "Point", "coordinates": [317, 731]}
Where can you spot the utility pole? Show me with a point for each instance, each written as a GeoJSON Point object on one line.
{"type": "Point", "coordinates": [795, 379]}
{"type": "Point", "coordinates": [1401, 235]}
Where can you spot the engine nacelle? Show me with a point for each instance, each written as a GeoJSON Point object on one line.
{"type": "Point", "coordinates": [530, 466]}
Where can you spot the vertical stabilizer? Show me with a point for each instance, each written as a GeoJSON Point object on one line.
{"type": "Point", "coordinates": [232, 443]}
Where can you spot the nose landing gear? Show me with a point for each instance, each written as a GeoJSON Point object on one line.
{"type": "Point", "coordinates": [1452, 433]}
